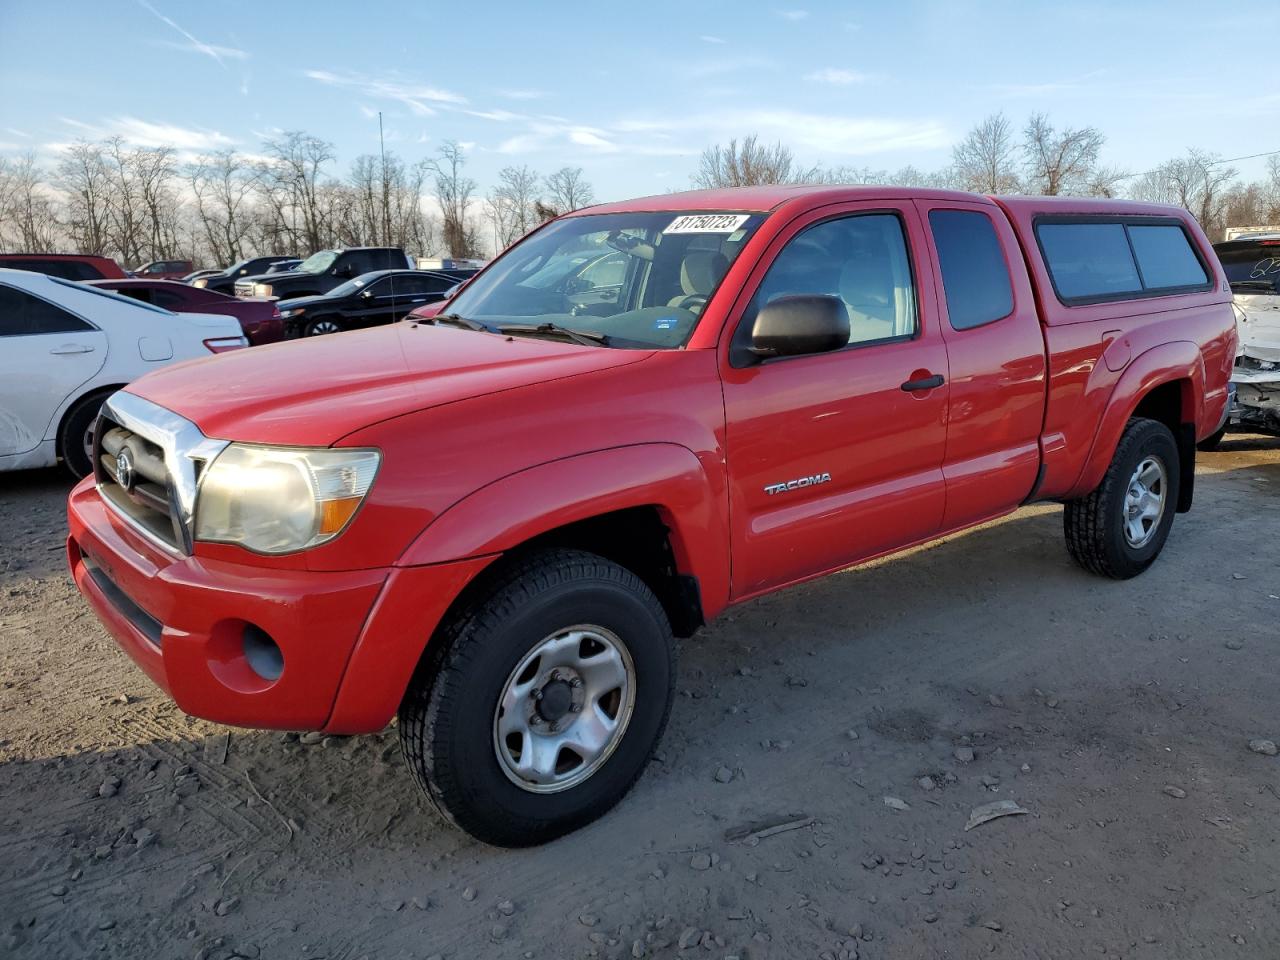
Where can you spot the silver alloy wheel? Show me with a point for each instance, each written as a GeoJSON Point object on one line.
{"type": "Point", "coordinates": [1144, 501]}
{"type": "Point", "coordinates": [564, 709]}
{"type": "Point", "coordinates": [321, 327]}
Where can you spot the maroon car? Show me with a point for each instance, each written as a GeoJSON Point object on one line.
{"type": "Point", "coordinates": [259, 319]}
{"type": "Point", "coordinates": [163, 270]}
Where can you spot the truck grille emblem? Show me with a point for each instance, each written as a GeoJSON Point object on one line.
{"type": "Point", "coordinates": [809, 481]}
{"type": "Point", "coordinates": [124, 468]}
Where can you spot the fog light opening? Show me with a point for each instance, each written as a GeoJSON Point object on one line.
{"type": "Point", "coordinates": [262, 653]}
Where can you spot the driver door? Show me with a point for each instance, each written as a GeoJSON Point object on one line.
{"type": "Point", "coordinates": [837, 457]}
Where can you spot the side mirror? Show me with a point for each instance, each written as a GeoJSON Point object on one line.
{"type": "Point", "coordinates": [797, 325]}
{"type": "Point", "coordinates": [366, 294]}
{"type": "Point", "coordinates": [344, 271]}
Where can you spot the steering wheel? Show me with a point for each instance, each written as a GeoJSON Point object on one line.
{"type": "Point", "coordinates": [694, 302]}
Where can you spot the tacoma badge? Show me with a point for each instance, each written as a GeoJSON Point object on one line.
{"type": "Point", "coordinates": [811, 481]}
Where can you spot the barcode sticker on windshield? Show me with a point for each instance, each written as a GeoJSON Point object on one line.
{"type": "Point", "coordinates": [708, 223]}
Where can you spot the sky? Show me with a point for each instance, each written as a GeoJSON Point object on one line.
{"type": "Point", "coordinates": [631, 92]}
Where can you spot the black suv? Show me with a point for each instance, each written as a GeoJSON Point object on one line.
{"type": "Point", "coordinates": [382, 296]}
{"type": "Point", "coordinates": [225, 280]}
{"type": "Point", "coordinates": [322, 271]}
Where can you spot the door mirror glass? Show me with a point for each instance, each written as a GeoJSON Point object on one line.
{"type": "Point", "coordinates": [796, 325]}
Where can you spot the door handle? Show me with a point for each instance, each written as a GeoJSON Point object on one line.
{"type": "Point", "coordinates": [67, 350]}
{"type": "Point", "coordinates": [925, 383]}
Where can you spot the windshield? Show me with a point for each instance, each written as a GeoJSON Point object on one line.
{"type": "Point", "coordinates": [1252, 266]}
{"type": "Point", "coordinates": [640, 279]}
{"type": "Point", "coordinates": [318, 262]}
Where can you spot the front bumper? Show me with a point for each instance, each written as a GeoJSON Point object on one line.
{"type": "Point", "coordinates": [1255, 401]}
{"type": "Point", "coordinates": [349, 640]}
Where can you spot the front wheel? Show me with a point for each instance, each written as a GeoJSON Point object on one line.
{"type": "Point", "coordinates": [321, 326]}
{"type": "Point", "coordinates": [1118, 530]}
{"type": "Point", "coordinates": [543, 699]}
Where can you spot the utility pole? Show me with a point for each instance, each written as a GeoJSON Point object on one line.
{"type": "Point", "coordinates": [386, 187]}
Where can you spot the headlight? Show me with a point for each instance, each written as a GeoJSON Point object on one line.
{"type": "Point", "coordinates": [291, 312]}
{"type": "Point", "coordinates": [262, 289]}
{"type": "Point", "coordinates": [200, 282]}
{"type": "Point", "coordinates": [282, 499]}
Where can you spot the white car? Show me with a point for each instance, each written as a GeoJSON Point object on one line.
{"type": "Point", "coordinates": [66, 346]}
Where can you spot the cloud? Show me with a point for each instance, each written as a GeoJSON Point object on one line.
{"type": "Point", "coordinates": [419, 98]}
{"type": "Point", "coordinates": [522, 94]}
{"type": "Point", "coordinates": [706, 38]}
{"type": "Point", "coordinates": [705, 69]}
{"type": "Point", "coordinates": [195, 45]}
{"type": "Point", "coordinates": [1017, 90]}
{"type": "Point", "coordinates": [836, 76]}
{"type": "Point", "coordinates": [793, 15]}
{"type": "Point", "coordinates": [17, 133]}
{"type": "Point", "coordinates": [213, 50]}
{"type": "Point", "coordinates": [144, 133]}
{"type": "Point", "coordinates": [808, 133]}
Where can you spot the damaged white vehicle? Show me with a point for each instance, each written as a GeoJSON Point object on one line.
{"type": "Point", "coordinates": [1253, 268]}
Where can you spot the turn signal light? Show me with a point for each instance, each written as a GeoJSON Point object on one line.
{"type": "Point", "coordinates": [223, 344]}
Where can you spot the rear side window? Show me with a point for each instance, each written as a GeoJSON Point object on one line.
{"type": "Point", "coordinates": [1165, 258]}
{"type": "Point", "coordinates": [66, 269]}
{"type": "Point", "coordinates": [1096, 261]}
{"type": "Point", "coordinates": [975, 277]}
{"type": "Point", "coordinates": [22, 315]}
{"type": "Point", "coordinates": [1089, 260]}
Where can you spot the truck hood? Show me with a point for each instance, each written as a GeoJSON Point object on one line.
{"type": "Point", "coordinates": [277, 277]}
{"type": "Point", "coordinates": [315, 391]}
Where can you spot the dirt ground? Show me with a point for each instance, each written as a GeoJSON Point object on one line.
{"type": "Point", "coordinates": [1119, 715]}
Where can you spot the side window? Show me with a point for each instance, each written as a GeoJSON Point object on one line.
{"type": "Point", "coordinates": [22, 315]}
{"type": "Point", "coordinates": [1165, 257]}
{"type": "Point", "coordinates": [608, 271]}
{"type": "Point", "coordinates": [437, 284]}
{"type": "Point", "coordinates": [863, 261]}
{"type": "Point", "coordinates": [1096, 261]}
{"type": "Point", "coordinates": [1089, 260]}
{"type": "Point", "coordinates": [167, 299]}
{"type": "Point", "coordinates": [975, 277]}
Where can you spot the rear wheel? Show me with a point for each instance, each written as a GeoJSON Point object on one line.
{"type": "Point", "coordinates": [544, 700]}
{"type": "Point", "coordinates": [1118, 530]}
{"type": "Point", "coordinates": [75, 437]}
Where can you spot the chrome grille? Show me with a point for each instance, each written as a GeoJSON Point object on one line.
{"type": "Point", "coordinates": [147, 464]}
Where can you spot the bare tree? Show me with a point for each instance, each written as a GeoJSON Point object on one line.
{"type": "Point", "coordinates": [222, 185]}
{"type": "Point", "coordinates": [512, 204]}
{"type": "Point", "coordinates": [749, 164]}
{"type": "Point", "coordinates": [1059, 162]}
{"type": "Point", "coordinates": [1197, 181]}
{"type": "Point", "coordinates": [454, 191]}
{"type": "Point", "coordinates": [567, 190]}
{"type": "Point", "coordinates": [28, 217]}
{"type": "Point", "coordinates": [290, 184]}
{"type": "Point", "coordinates": [985, 161]}
{"type": "Point", "coordinates": [82, 174]}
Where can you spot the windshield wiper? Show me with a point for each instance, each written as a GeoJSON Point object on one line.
{"type": "Point", "coordinates": [587, 338]}
{"type": "Point", "coordinates": [457, 320]}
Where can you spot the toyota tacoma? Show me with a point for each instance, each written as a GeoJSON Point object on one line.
{"type": "Point", "coordinates": [494, 522]}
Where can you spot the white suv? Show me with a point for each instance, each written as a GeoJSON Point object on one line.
{"type": "Point", "coordinates": [65, 347]}
{"type": "Point", "coordinates": [1252, 264]}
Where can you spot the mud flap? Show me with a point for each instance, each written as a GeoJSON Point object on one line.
{"type": "Point", "coordinates": [1186, 438]}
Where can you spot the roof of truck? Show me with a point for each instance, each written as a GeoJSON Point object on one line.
{"type": "Point", "coordinates": [764, 198]}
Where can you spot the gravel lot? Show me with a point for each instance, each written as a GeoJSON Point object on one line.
{"type": "Point", "coordinates": [1119, 715]}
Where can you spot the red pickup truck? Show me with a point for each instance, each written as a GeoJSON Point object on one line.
{"type": "Point", "coordinates": [493, 522]}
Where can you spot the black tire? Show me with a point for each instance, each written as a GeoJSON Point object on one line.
{"type": "Point", "coordinates": [1210, 443]}
{"type": "Point", "coordinates": [312, 326]}
{"type": "Point", "coordinates": [1094, 525]}
{"type": "Point", "coordinates": [448, 715]}
{"type": "Point", "coordinates": [71, 435]}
